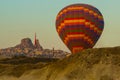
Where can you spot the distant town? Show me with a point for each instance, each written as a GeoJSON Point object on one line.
{"type": "Point", "coordinates": [28, 49]}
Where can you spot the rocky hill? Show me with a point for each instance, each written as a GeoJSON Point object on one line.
{"type": "Point", "coordinates": [26, 48]}
{"type": "Point", "coordinates": [90, 64]}
{"type": "Point", "coordinates": [25, 43]}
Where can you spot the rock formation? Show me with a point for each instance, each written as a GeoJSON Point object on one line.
{"type": "Point", "coordinates": [26, 48]}
{"type": "Point", "coordinates": [25, 43]}
{"type": "Point", "coordinates": [38, 46]}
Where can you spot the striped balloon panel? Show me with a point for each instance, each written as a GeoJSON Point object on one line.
{"type": "Point", "coordinates": [78, 30]}
{"type": "Point", "coordinates": [80, 14]}
{"type": "Point", "coordinates": [79, 26]}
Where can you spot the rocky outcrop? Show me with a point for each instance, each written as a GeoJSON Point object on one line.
{"type": "Point", "coordinates": [26, 48]}
{"type": "Point", "coordinates": [38, 46]}
{"type": "Point", "coordinates": [25, 43]}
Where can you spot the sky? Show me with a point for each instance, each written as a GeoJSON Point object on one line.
{"type": "Point", "coordinates": [22, 18]}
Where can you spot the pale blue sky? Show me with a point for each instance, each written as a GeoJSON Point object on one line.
{"type": "Point", "coordinates": [22, 18]}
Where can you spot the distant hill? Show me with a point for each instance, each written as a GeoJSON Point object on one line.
{"type": "Point", "coordinates": [90, 64]}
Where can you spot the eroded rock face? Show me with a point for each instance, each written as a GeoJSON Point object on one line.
{"type": "Point", "coordinates": [38, 46]}
{"type": "Point", "coordinates": [25, 43]}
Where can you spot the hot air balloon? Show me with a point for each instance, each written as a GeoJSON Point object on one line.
{"type": "Point", "coordinates": [79, 26]}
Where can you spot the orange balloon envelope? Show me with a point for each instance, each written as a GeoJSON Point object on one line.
{"type": "Point", "coordinates": [79, 26]}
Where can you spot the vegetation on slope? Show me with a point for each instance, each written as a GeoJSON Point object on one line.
{"type": "Point", "coordinates": [90, 64]}
{"type": "Point", "coordinates": [16, 66]}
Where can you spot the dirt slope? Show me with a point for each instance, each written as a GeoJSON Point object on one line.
{"type": "Point", "coordinates": [91, 64]}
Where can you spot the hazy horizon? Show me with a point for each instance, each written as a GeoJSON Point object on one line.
{"type": "Point", "coordinates": [21, 19]}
